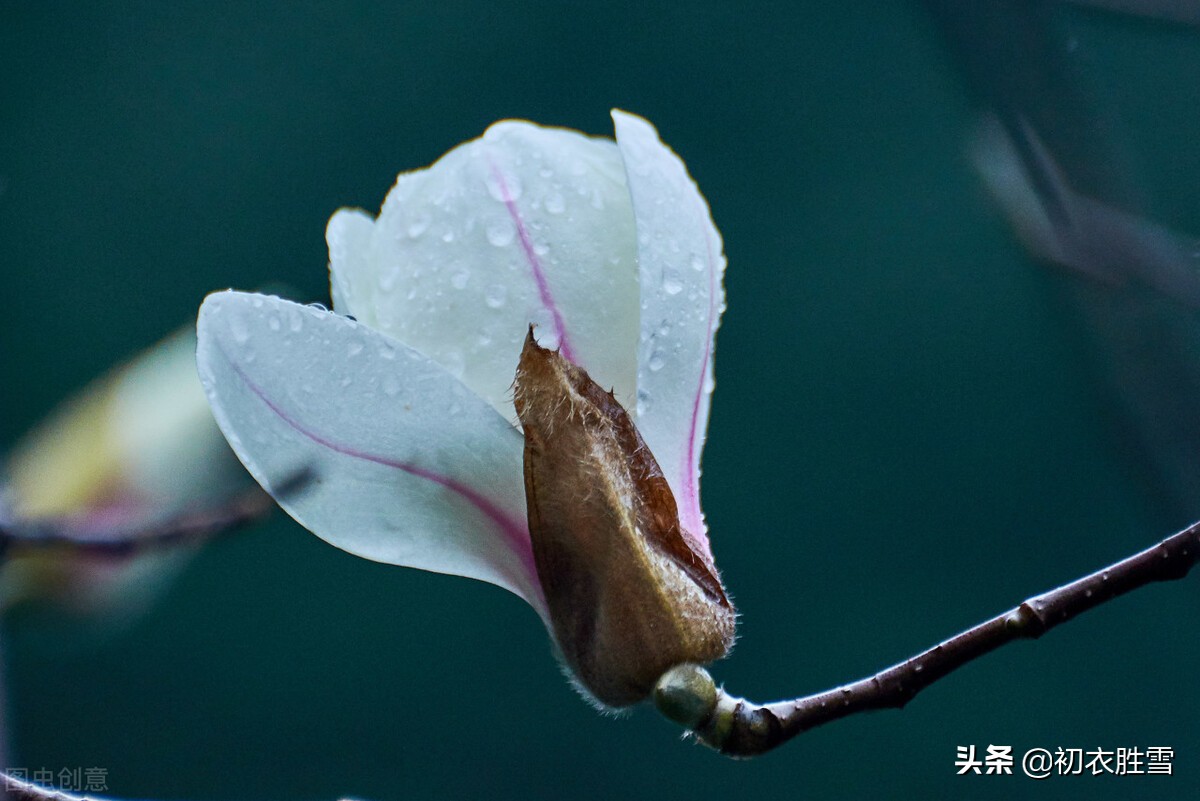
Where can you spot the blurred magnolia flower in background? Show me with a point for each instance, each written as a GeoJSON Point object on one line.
{"type": "Point", "coordinates": [399, 404]}
{"type": "Point", "coordinates": [135, 451]}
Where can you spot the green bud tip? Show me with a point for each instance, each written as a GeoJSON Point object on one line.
{"type": "Point", "coordinates": [687, 695]}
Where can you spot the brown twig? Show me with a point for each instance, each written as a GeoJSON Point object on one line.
{"type": "Point", "coordinates": [741, 728]}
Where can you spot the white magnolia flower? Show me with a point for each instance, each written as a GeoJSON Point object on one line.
{"type": "Point", "coordinates": [398, 402]}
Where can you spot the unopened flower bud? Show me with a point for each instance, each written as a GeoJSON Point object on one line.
{"type": "Point", "coordinates": [628, 595]}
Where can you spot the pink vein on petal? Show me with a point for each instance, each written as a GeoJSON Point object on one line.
{"type": "Point", "coordinates": [695, 521]}
{"type": "Point", "coordinates": [514, 531]}
{"type": "Point", "coordinates": [535, 264]}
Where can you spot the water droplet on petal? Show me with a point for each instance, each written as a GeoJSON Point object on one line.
{"type": "Point", "coordinates": [387, 352]}
{"type": "Point", "coordinates": [387, 280]}
{"type": "Point", "coordinates": [391, 386]}
{"type": "Point", "coordinates": [460, 278]}
{"type": "Point", "coordinates": [495, 296]}
{"type": "Point", "coordinates": [237, 327]}
{"type": "Point", "coordinates": [501, 233]}
{"type": "Point", "coordinates": [643, 402]}
{"type": "Point", "coordinates": [555, 203]}
{"type": "Point", "coordinates": [345, 382]}
{"type": "Point", "coordinates": [671, 283]}
{"type": "Point", "coordinates": [418, 225]}
{"type": "Point", "coordinates": [274, 323]}
{"type": "Point", "coordinates": [354, 348]}
{"type": "Point", "coordinates": [656, 362]}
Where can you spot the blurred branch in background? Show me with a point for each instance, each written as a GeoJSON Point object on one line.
{"type": "Point", "coordinates": [1130, 289]}
{"type": "Point", "coordinates": [108, 498]}
{"type": "Point", "coordinates": [134, 458]}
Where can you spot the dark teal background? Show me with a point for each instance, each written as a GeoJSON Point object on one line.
{"type": "Point", "coordinates": [905, 437]}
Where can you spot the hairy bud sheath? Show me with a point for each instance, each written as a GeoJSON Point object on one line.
{"type": "Point", "coordinates": [629, 598]}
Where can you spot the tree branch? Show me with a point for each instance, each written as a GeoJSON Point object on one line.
{"type": "Point", "coordinates": [741, 728]}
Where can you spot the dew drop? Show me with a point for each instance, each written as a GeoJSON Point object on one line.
{"type": "Point", "coordinates": [495, 296]}
{"type": "Point", "coordinates": [555, 203]}
{"type": "Point", "coordinates": [354, 348]}
{"type": "Point", "coordinates": [237, 327]}
{"type": "Point", "coordinates": [501, 233]}
{"type": "Point", "coordinates": [460, 278]}
{"type": "Point", "coordinates": [643, 402]}
{"type": "Point", "coordinates": [671, 283]}
{"type": "Point", "coordinates": [391, 386]}
{"type": "Point", "coordinates": [387, 352]}
{"type": "Point", "coordinates": [295, 322]}
{"type": "Point", "coordinates": [274, 323]}
{"type": "Point", "coordinates": [656, 362]}
{"type": "Point", "coordinates": [387, 280]}
{"type": "Point", "coordinates": [697, 263]}
{"type": "Point", "coordinates": [257, 302]}
{"type": "Point", "coordinates": [418, 225]}
{"type": "Point", "coordinates": [448, 235]}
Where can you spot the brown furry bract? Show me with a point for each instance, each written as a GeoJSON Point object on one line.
{"type": "Point", "coordinates": [629, 597]}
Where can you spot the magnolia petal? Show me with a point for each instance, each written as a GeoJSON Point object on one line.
{"type": "Point", "coordinates": [524, 225]}
{"type": "Point", "coordinates": [680, 268]}
{"type": "Point", "coordinates": [349, 238]}
{"type": "Point", "coordinates": [404, 464]}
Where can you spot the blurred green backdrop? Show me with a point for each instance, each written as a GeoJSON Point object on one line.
{"type": "Point", "coordinates": [905, 438]}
